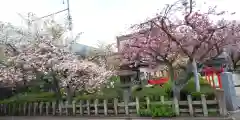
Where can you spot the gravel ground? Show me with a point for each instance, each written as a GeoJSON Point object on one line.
{"type": "Point", "coordinates": [112, 118]}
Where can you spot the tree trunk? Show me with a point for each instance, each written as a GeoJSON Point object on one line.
{"type": "Point", "coordinates": [69, 94]}
{"type": "Point", "coordinates": [176, 92]}
{"type": "Point", "coordinates": [196, 77]}
{"type": "Point", "coordinates": [56, 87]}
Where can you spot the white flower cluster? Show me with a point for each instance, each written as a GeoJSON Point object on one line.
{"type": "Point", "coordinates": [43, 56]}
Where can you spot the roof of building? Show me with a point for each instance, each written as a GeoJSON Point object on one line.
{"type": "Point", "coordinates": [81, 49]}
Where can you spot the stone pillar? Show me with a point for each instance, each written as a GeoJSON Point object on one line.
{"type": "Point", "coordinates": [236, 81]}
{"type": "Point", "coordinates": [236, 78]}
{"type": "Point", "coordinates": [143, 78]}
{"type": "Point", "coordinates": [229, 91]}
{"type": "Point", "coordinates": [221, 102]}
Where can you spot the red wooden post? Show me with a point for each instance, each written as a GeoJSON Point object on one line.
{"type": "Point", "coordinates": [209, 73]}
{"type": "Point", "coordinates": [212, 75]}
{"type": "Point", "coordinates": [219, 77]}
{"type": "Point", "coordinates": [206, 75]}
{"type": "Point", "coordinates": [219, 80]}
{"type": "Point", "coordinates": [206, 72]}
{"type": "Point", "coordinates": [208, 78]}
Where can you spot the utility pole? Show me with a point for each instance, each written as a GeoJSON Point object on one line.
{"type": "Point", "coordinates": [69, 18]}
{"type": "Point", "coordinates": [70, 27]}
{"type": "Point", "coordinates": [60, 11]}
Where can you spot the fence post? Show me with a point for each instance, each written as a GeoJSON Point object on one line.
{"type": "Point", "coordinates": [40, 108]}
{"type": "Point", "coordinates": [96, 106]}
{"type": "Point", "coordinates": [17, 108]}
{"type": "Point", "coordinates": [47, 108]}
{"type": "Point", "coordinates": [116, 106]}
{"type": "Point", "coordinates": [20, 109]}
{"type": "Point", "coordinates": [1, 108]}
{"type": "Point", "coordinates": [204, 105]}
{"type": "Point", "coordinates": [9, 110]}
{"type": "Point", "coordinates": [148, 102]}
{"type": "Point", "coordinates": [66, 107]}
{"type": "Point", "coordinates": [14, 109]}
{"type": "Point", "coordinates": [221, 102]}
{"type": "Point", "coordinates": [29, 108]}
{"type": "Point", "coordinates": [74, 107]}
{"type": "Point", "coordinates": [5, 109]}
{"type": "Point", "coordinates": [88, 107]}
{"type": "Point", "coordinates": [80, 109]}
{"type": "Point", "coordinates": [176, 106]}
{"type": "Point", "coordinates": [190, 106]}
{"type": "Point", "coordinates": [162, 99]}
{"type": "Point", "coordinates": [60, 108]}
{"type": "Point", "coordinates": [24, 108]}
{"type": "Point", "coordinates": [137, 105]}
{"type": "Point", "coordinates": [54, 108]}
{"type": "Point", "coordinates": [35, 109]}
{"type": "Point", "coordinates": [105, 107]}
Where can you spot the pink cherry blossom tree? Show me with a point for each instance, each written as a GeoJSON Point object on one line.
{"type": "Point", "coordinates": [234, 48]}
{"type": "Point", "coordinates": [192, 35]}
{"type": "Point", "coordinates": [152, 48]}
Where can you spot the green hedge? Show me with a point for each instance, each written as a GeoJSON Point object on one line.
{"type": "Point", "coordinates": [117, 92]}
{"type": "Point", "coordinates": [189, 89]}
{"type": "Point", "coordinates": [205, 89]}
{"type": "Point", "coordinates": [154, 91]}
{"type": "Point", "coordinates": [31, 97]}
{"type": "Point", "coordinates": [106, 93]}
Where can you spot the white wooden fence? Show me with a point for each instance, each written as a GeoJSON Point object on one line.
{"type": "Point", "coordinates": [112, 107]}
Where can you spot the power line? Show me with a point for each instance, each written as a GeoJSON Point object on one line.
{"type": "Point", "coordinates": [69, 17]}
{"type": "Point", "coordinates": [49, 15]}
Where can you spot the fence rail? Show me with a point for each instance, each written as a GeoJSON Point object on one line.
{"type": "Point", "coordinates": [112, 107]}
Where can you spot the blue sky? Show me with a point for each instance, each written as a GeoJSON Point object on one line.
{"type": "Point", "coordinates": [99, 20]}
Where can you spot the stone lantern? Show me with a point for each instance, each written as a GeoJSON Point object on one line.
{"type": "Point", "coordinates": [126, 78]}
{"type": "Point", "coordinates": [221, 61]}
{"type": "Point", "coordinates": [217, 63]}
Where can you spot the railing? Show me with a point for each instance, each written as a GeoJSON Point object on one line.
{"type": "Point", "coordinates": [112, 107]}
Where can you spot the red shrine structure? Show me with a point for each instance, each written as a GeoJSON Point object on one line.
{"type": "Point", "coordinates": [210, 74]}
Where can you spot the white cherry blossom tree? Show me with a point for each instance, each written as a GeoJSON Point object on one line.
{"type": "Point", "coordinates": [43, 55]}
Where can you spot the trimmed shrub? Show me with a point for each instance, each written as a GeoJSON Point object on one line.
{"type": "Point", "coordinates": [157, 110]}
{"type": "Point", "coordinates": [206, 89]}
{"type": "Point", "coordinates": [31, 97]}
{"type": "Point", "coordinates": [106, 93]}
{"type": "Point", "coordinates": [154, 92]}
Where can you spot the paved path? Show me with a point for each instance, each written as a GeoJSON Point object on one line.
{"type": "Point", "coordinates": [237, 82]}
{"type": "Point", "coordinates": [112, 118]}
